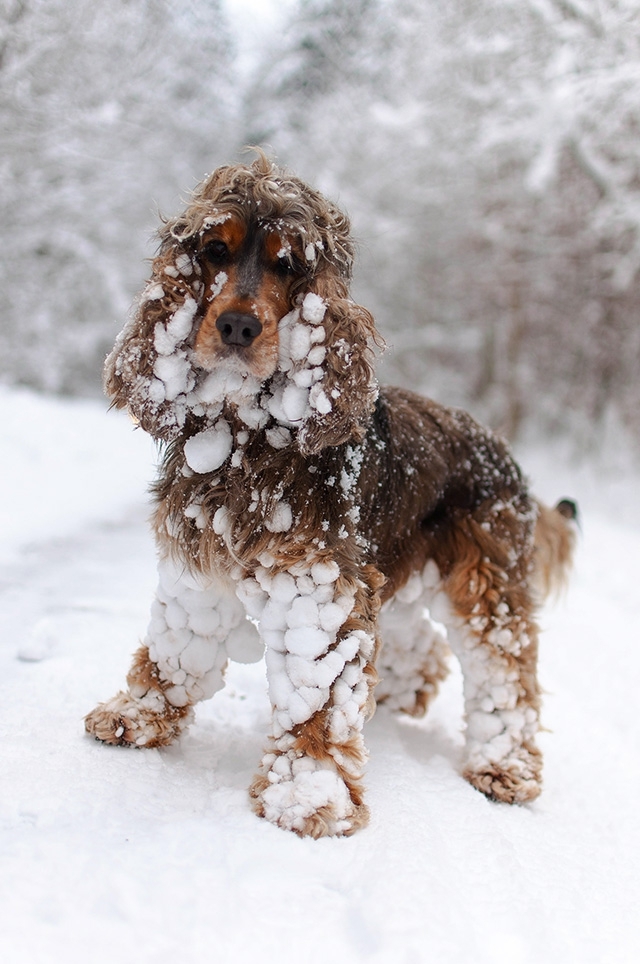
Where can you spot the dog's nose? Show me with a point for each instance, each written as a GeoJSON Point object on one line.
{"type": "Point", "coordinates": [238, 329]}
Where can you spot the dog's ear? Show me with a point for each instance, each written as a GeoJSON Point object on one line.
{"type": "Point", "coordinates": [342, 398]}
{"type": "Point", "coordinates": [149, 372]}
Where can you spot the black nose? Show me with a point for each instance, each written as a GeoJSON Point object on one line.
{"type": "Point", "coordinates": [238, 329]}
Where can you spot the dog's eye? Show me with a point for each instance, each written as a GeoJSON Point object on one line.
{"type": "Point", "coordinates": [287, 267]}
{"type": "Point", "coordinates": [216, 252]}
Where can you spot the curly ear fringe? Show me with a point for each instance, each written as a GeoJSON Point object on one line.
{"type": "Point", "coordinates": [148, 371]}
{"type": "Point", "coordinates": [349, 382]}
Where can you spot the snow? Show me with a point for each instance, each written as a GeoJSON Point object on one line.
{"type": "Point", "coordinates": [313, 308]}
{"type": "Point", "coordinates": [207, 450]}
{"type": "Point", "coordinates": [252, 20]}
{"type": "Point", "coordinates": [65, 465]}
{"type": "Point", "coordinates": [192, 620]}
{"type": "Point", "coordinates": [219, 282]}
{"type": "Point", "coordinates": [110, 854]}
{"type": "Point", "coordinates": [290, 396]}
{"type": "Point", "coordinates": [281, 519]}
{"type": "Point", "coordinates": [300, 614]}
{"type": "Point", "coordinates": [167, 337]}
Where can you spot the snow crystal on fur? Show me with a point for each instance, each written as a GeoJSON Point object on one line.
{"type": "Point", "coordinates": [196, 624]}
{"type": "Point", "coordinates": [299, 618]}
{"type": "Point", "coordinates": [498, 725]}
{"type": "Point", "coordinates": [300, 787]}
{"type": "Point", "coordinates": [289, 397]}
{"type": "Point", "coordinates": [208, 450]}
{"type": "Point", "coordinates": [414, 646]}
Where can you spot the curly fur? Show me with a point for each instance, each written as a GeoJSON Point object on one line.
{"type": "Point", "coordinates": [335, 515]}
{"type": "Point", "coordinates": [261, 194]}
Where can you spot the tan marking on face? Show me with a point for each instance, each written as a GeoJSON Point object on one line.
{"type": "Point", "coordinates": [232, 232]}
{"type": "Point", "coordinates": [274, 243]}
{"type": "Point", "coordinates": [253, 255]}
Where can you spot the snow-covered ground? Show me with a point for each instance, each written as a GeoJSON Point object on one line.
{"type": "Point", "coordinates": [115, 855]}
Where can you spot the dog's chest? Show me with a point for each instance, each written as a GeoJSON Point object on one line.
{"type": "Point", "coordinates": [270, 499]}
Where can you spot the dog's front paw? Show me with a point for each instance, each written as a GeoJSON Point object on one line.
{"type": "Point", "coordinates": [149, 721]}
{"type": "Point", "coordinates": [306, 796]}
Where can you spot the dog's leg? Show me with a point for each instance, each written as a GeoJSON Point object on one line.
{"type": "Point", "coordinates": [502, 707]}
{"type": "Point", "coordinates": [195, 623]}
{"type": "Point", "coordinates": [319, 625]}
{"type": "Point", "coordinates": [413, 655]}
{"type": "Point", "coordinates": [485, 603]}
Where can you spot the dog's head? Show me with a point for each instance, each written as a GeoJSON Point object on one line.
{"type": "Point", "coordinates": [248, 305]}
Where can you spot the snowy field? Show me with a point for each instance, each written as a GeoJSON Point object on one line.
{"type": "Point", "coordinates": [115, 855]}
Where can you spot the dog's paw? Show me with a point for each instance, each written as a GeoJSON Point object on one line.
{"type": "Point", "coordinates": [306, 796]}
{"type": "Point", "coordinates": [511, 781]}
{"type": "Point", "coordinates": [149, 721]}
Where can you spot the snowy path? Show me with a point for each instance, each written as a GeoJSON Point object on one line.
{"type": "Point", "coordinates": [110, 855]}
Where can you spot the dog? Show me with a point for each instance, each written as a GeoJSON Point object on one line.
{"type": "Point", "coordinates": [302, 509]}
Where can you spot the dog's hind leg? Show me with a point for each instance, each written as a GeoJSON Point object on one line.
{"type": "Point", "coordinates": [484, 600]}
{"type": "Point", "coordinates": [413, 656]}
{"type": "Point", "coordinates": [196, 623]}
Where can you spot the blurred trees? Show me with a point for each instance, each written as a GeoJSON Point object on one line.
{"type": "Point", "coordinates": [105, 108]}
{"type": "Point", "coordinates": [487, 151]}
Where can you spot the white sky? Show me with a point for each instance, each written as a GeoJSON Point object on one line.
{"type": "Point", "coordinates": [252, 12]}
{"type": "Point", "coordinates": [250, 19]}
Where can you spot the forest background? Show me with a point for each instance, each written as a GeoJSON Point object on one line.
{"type": "Point", "coordinates": [486, 151]}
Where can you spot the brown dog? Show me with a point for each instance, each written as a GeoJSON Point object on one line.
{"type": "Point", "coordinates": [330, 512]}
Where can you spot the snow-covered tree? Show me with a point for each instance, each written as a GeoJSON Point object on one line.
{"type": "Point", "coordinates": [487, 151]}
{"type": "Point", "coordinates": [106, 110]}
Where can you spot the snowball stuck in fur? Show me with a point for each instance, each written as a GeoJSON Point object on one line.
{"type": "Point", "coordinates": [208, 450]}
{"type": "Point", "coordinates": [168, 337]}
{"type": "Point", "coordinates": [153, 292]}
{"type": "Point", "coordinates": [325, 572]}
{"type": "Point", "coordinates": [313, 308]}
{"type": "Point", "coordinates": [176, 373]}
{"type": "Point", "coordinates": [294, 402]}
{"type": "Point", "coordinates": [299, 342]}
{"type": "Point", "coordinates": [281, 518]}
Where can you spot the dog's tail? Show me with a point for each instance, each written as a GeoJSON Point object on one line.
{"type": "Point", "coordinates": [555, 538]}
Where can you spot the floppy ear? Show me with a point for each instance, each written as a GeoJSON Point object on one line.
{"type": "Point", "coordinates": [149, 371]}
{"type": "Point", "coordinates": [342, 399]}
